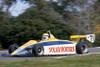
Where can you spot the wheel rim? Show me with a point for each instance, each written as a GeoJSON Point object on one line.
{"type": "Point", "coordinates": [84, 48]}
{"type": "Point", "coordinates": [39, 50]}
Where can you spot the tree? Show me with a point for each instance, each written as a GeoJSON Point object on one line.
{"type": "Point", "coordinates": [97, 33]}
{"type": "Point", "coordinates": [84, 16]}
{"type": "Point", "coordinates": [8, 4]}
{"type": "Point", "coordinates": [30, 26]}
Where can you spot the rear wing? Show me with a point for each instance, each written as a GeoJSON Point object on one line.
{"type": "Point", "coordinates": [89, 37]}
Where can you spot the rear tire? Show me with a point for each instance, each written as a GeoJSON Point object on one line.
{"type": "Point", "coordinates": [37, 50]}
{"type": "Point", "coordinates": [82, 47]}
{"type": "Point", "coordinates": [12, 48]}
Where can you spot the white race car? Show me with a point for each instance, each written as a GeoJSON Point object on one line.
{"type": "Point", "coordinates": [49, 45]}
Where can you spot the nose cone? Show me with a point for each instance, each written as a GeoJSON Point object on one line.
{"type": "Point", "coordinates": [16, 52]}
{"type": "Point", "coordinates": [21, 52]}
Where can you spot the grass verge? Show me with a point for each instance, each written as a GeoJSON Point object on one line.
{"type": "Point", "coordinates": [92, 60]}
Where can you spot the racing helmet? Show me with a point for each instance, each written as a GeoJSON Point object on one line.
{"type": "Point", "coordinates": [45, 36]}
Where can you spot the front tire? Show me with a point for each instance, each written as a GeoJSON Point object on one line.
{"type": "Point", "coordinates": [82, 47]}
{"type": "Point", "coordinates": [37, 50]}
{"type": "Point", "coordinates": [12, 48]}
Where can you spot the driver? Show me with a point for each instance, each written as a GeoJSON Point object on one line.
{"type": "Point", "coordinates": [45, 36]}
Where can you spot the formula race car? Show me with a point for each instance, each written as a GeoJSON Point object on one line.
{"type": "Point", "coordinates": [49, 45]}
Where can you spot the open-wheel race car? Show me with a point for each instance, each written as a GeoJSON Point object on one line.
{"type": "Point", "coordinates": [49, 45]}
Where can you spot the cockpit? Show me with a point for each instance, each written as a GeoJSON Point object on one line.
{"type": "Point", "coordinates": [47, 36]}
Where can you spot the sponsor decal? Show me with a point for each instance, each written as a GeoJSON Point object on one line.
{"type": "Point", "coordinates": [61, 49]}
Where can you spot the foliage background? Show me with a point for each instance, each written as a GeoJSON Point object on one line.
{"type": "Point", "coordinates": [30, 26]}
{"type": "Point", "coordinates": [63, 18]}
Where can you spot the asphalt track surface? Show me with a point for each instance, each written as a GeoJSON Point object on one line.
{"type": "Point", "coordinates": [4, 58]}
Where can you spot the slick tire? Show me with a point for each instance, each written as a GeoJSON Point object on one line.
{"type": "Point", "coordinates": [82, 47]}
{"type": "Point", "coordinates": [12, 48]}
{"type": "Point", "coordinates": [37, 50]}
